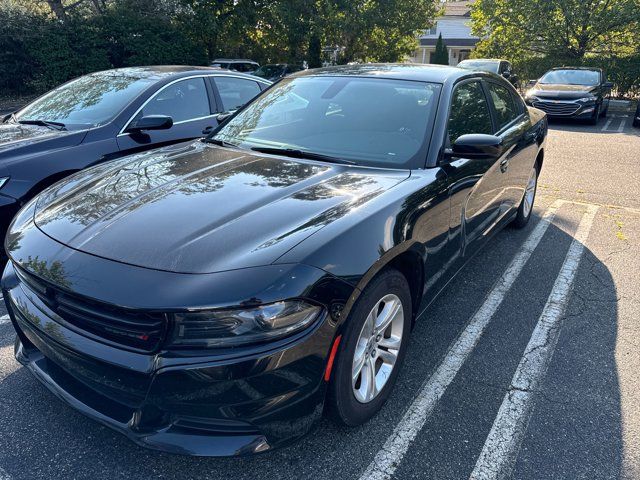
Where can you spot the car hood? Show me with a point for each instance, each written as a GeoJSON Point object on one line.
{"type": "Point", "coordinates": [17, 138]}
{"type": "Point", "coordinates": [198, 208]}
{"type": "Point", "coordinates": [561, 91]}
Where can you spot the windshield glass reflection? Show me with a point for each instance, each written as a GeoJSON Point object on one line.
{"type": "Point", "coordinates": [88, 101]}
{"type": "Point", "coordinates": [372, 121]}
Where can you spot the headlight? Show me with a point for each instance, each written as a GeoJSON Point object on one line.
{"type": "Point", "coordinates": [587, 99]}
{"type": "Point", "coordinates": [234, 327]}
{"type": "Point", "coordinates": [3, 180]}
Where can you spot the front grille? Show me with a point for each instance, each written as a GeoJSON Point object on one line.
{"type": "Point", "coordinates": [557, 108]}
{"type": "Point", "coordinates": [134, 330]}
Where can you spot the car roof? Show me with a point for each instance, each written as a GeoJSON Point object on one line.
{"type": "Point", "coordinates": [495, 60]}
{"type": "Point", "coordinates": [234, 60]}
{"type": "Point", "coordinates": [400, 71]}
{"type": "Point", "coordinates": [165, 72]}
{"type": "Point", "coordinates": [594, 69]}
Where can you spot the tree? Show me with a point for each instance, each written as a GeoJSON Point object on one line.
{"type": "Point", "coordinates": [563, 29]}
{"type": "Point", "coordinates": [441, 55]}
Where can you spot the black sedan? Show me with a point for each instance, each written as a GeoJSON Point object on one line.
{"type": "Point", "coordinates": [216, 297]}
{"type": "Point", "coordinates": [572, 92]}
{"type": "Point", "coordinates": [106, 115]}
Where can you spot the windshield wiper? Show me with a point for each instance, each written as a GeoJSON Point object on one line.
{"type": "Point", "coordinates": [221, 143]}
{"type": "Point", "coordinates": [44, 123]}
{"type": "Point", "coordinates": [295, 153]}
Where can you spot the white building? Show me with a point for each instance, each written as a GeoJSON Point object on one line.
{"type": "Point", "coordinates": [455, 27]}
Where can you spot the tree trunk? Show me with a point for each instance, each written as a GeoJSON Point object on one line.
{"type": "Point", "coordinates": [58, 9]}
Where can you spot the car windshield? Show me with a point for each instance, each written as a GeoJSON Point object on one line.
{"type": "Point", "coordinates": [268, 71]}
{"type": "Point", "coordinates": [88, 101]}
{"type": "Point", "coordinates": [484, 65]}
{"type": "Point", "coordinates": [572, 77]}
{"type": "Point", "coordinates": [378, 122]}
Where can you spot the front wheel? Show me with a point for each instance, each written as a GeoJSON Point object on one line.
{"type": "Point", "coordinates": [372, 350]}
{"type": "Point", "coordinates": [596, 116]}
{"type": "Point", "coordinates": [526, 205]}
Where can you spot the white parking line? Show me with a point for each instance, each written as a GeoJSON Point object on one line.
{"type": "Point", "coordinates": [390, 455]}
{"type": "Point", "coordinates": [606, 125]}
{"type": "Point", "coordinates": [503, 443]}
{"type": "Point", "coordinates": [622, 125]}
{"type": "Point", "coordinates": [4, 319]}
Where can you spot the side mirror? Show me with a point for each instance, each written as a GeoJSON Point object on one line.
{"type": "Point", "coordinates": [151, 122]}
{"type": "Point", "coordinates": [506, 74]}
{"type": "Point", "coordinates": [607, 85]}
{"type": "Point", "coordinates": [531, 83]}
{"type": "Point", "coordinates": [476, 146]}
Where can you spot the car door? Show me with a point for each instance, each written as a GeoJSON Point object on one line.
{"type": "Point", "coordinates": [477, 187]}
{"type": "Point", "coordinates": [234, 92]}
{"type": "Point", "coordinates": [512, 124]}
{"type": "Point", "coordinates": [190, 103]}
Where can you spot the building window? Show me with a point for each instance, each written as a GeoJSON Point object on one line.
{"type": "Point", "coordinates": [433, 30]}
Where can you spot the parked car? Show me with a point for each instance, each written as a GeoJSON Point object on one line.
{"type": "Point", "coordinates": [571, 92]}
{"type": "Point", "coordinates": [236, 64]}
{"type": "Point", "coordinates": [212, 298]}
{"type": "Point", "coordinates": [636, 117]}
{"type": "Point", "coordinates": [493, 65]}
{"type": "Point", "coordinates": [275, 71]}
{"type": "Point", "coordinates": [106, 115]}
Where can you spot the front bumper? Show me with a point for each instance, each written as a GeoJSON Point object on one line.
{"type": "Point", "coordinates": [215, 407]}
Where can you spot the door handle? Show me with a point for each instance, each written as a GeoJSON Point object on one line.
{"type": "Point", "coordinates": [207, 130]}
{"type": "Point", "coordinates": [504, 164]}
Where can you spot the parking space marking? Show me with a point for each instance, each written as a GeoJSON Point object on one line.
{"type": "Point", "coordinates": [503, 442]}
{"type": "Point", "coordinates": [396, 446]}
{"type": "Point", "coordinates": [622, 125]}
{"type": "Point", "coordinates": [606, 125]}
{"type": "Point", "coordinates": [4, 319]}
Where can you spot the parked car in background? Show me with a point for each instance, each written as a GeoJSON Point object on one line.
{"type": "Point", "coordinates": [636, 117]}
{"type": "Point", "coordinates": [212, 298]}
{"type": "Point", "coordinates": [106, 115]}
{"type": "Point", "coordinates": [493, 65]}
{"type": "Point", "coordinates": [276, 71]}
{"type": "Point", "coordinates": [236, 64]}
{"type": "Point", "coordinates": [571, 92]}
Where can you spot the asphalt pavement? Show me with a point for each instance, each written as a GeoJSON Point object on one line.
{"type": "Point", "coordinates": [526, 367]}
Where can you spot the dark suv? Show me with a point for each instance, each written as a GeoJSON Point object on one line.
{"type": "Point", "coordinates": [571, 92]}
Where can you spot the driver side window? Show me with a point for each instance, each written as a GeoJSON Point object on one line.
{"type": "Point", "coordinates": [183, 100]}
{"type": "Point", "coordinates": [469, 112]}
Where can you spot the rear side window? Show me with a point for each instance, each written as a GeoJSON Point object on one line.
{"type": "Point", "coordinates": [469, 111]}
{"type": "Point", "coordinates": [506, 108]}
{"type": "Point", "coordinates": [235, 92]}
{"type": "Point", "coordinates": [184, 100]}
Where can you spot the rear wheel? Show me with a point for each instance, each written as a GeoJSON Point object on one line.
{"type": "Point", "coordinates": [372, 350]}
{"type": "Point", "coordinates": [526, 205]}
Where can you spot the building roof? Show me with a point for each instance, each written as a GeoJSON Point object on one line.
{"type": "Point", "coordinates": [458, 8]}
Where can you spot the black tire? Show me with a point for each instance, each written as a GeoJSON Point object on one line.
{"type": "Point", "coordinates": [522, 216]}
{"type": "Point", "coordinates": [342, 404]}
{"type": "Point", "coordinates": [596, 116]}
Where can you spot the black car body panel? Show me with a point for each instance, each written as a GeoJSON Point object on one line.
{"type": "Point", "coordinates": [197, 227]}
{"type": "Point", "coordinates": [561, 100]}
{"type": "Point", "coordinates": [34, 157]}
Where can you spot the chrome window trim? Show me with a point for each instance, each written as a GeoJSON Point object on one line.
{"type": "Point", "coordinates": [122, 130]}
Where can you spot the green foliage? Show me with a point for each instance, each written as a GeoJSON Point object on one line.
{"type": "Point", "coordinates": [536, 35]}
{"type": "Point", "coordinates": [40, 48]}
{"type": "Point", "coordinates": [441, 55]}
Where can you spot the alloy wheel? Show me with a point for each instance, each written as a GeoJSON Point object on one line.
{"type": "Point", "coordinates": [377, 348]}
{"type": "Point", "coordinates": [530, 192]}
